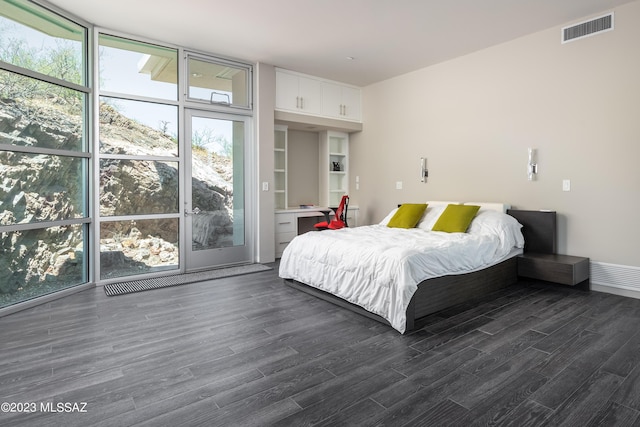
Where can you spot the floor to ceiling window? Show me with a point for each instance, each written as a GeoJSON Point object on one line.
{"type": "Point", "coordinates": [172, 172]}
{"type": "Point", "coordinates": [44, 152]}
{"type": "Point", "coordinates": [142, 173]}
{"type": "Point", "coordinates": [139, 171]}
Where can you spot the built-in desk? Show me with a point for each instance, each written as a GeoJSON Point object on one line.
{"type": "Point", "coordinates": [293, 221]}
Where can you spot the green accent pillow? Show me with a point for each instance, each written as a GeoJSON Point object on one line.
{"type": "Point", "coordinates": [407, 215]}
{"type": "Point", "coordinates": [456, 218]}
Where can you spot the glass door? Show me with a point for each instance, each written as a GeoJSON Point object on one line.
{"type": "Point", "coordinates": [217, 228]}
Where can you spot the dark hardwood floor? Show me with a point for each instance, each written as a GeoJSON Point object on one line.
{"type": "Point", "coordinates": [251, 351]}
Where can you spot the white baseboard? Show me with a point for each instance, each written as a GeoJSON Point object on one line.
{"type": "Point", "coordinates": [615, 279]}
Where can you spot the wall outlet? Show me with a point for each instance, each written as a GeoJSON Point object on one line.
{"type": "Point", "coordinates": [265, 186]}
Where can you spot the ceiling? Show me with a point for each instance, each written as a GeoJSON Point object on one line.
{"type": "Point", "coordinates": [385, 38]}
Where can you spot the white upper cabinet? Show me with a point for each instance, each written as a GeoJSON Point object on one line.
{"type": "Point", "coordinates": [341, 102]}
{"type": "Point", "coordinates": [300, 93]}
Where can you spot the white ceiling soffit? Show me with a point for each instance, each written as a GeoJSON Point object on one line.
{"type": "Point", "coordinates": [386, 38]}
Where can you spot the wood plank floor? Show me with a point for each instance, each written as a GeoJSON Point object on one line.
{"type": "Point", "coordinates": [251, 351]}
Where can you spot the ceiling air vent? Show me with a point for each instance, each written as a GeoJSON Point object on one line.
{"type": "Point", "coordinates": [588, 28]}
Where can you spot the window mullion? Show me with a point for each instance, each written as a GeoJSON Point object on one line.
{"type": "Point", "coordinates": [43, 77]}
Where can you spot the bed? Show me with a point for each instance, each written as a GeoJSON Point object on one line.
{"type": "Point", "coordinates": [400, 275]}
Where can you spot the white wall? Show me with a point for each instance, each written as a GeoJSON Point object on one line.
{"type": "Point", "coordinates": [303, 167]}
{"type": "Point", "coordinates": [475, 116]}
{"type": "Point", "coordinates": [265, 95]}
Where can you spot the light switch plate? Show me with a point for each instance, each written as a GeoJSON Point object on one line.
{"type": "Point", "coordinates": [566, 185]}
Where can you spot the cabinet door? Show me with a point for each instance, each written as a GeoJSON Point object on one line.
{"type": "Point", "coordinates": [341, 102]}
{"type": "Point", "coordinates": [351, 102]}
{"type": "Point", "coordinates": [310, 92]}
{"type": "Point", "coordinates": [331, 100]}
{"type": "Point", "coordinates": [352, 216]}
{"type": "Point", "coordinates": [307, 95]}
{"type": "Point", "coordinates": [298, 94]}
{"type": "Point", "coordinates": [287, 96]}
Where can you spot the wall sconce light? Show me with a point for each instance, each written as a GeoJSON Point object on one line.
{"type": "Point", "coordinates": [532, 166]}
{"type": "Point", "coordinates": [424, 172]}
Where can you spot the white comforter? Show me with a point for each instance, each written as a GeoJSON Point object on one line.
{"type": "Point", "coordinates": [379, 268]}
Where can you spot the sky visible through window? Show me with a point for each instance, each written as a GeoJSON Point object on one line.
{"type": "Point", "coordinates": [24, 46]}
{"type": "Point", "coordinates": [120, 73]}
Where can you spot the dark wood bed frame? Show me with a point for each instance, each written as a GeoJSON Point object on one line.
{"type": "Point", "coordinates": [443, 292]}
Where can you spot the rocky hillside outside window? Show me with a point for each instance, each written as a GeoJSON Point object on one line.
{"type": "Point", "coordinates": [97, 176]}
{"type": "Point", "coordinates": [139, 165]}
{"type": "Point", "coordinates": [44, 155]}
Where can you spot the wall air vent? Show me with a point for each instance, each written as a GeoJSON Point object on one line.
{"type": "Point", "coordinates": [588, 28]}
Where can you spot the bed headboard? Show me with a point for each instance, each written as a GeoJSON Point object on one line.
{"type": "Point", "coordinates": [538, 228]}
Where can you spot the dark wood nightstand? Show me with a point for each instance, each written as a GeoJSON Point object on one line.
{"type": "Point", "coordinates": [563, 269]}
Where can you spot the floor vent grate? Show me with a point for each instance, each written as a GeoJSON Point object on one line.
{"type": "Point", "coordinates": [180, 279]}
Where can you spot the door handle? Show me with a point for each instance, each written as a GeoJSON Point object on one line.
{"type": "Point", "coordinates": [227, 102]}
{"type": "Point", "coordinates": [195, 211]}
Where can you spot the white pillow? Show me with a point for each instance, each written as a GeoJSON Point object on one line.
{"type": "Point", "coordinates": [506, 227]}
{"type": "Point", "coordinates": [387, 218]}
{"type": "Point", "coordinates": [430, 216]}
